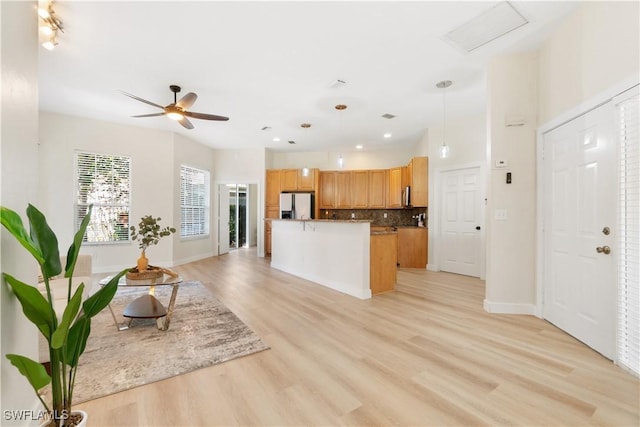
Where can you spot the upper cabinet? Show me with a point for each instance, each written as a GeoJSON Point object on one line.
{"type": "Point", "coordinates": [417, 174]}
{"type": "Point", "coordinates": [378, 188]}
{"type": "Point", "coordinates": [327, 190]}
{"type": "Point", "coordinates": [289, 179]}
{"type": "Point", "coordinates": [360, 189]}
{"type": "Point", "coordinates": [298, 179]}
{"type": "Point", "coordinates": [396, 187]}
{"type": "Point", "coordinates": [307, 179]}
{"type": "Point", "coordinates": [273, 188]}
{"type": "Point", "coordinates": [371, 189]}
{"type": "Point", "coordinates": [343, 190]}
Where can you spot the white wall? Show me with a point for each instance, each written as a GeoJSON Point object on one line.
{"type": "Point", "coordinates": [18, 187]}
{"type": "Point", "coordinates": [189, 153]}
{"type": "Point", "coordinates": [155, 159]}
{"type": "Point", "coordinates": [510, 271]}
{"type": "Point", "coordinates": [467, 139]}
{"type": "Point", "coordinates": [353, 160]}
{"type": "Point", "coordinates": [242, 167]}
{"type": "Point", "coordinates": [594, 49]}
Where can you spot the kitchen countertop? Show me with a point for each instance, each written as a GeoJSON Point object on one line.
{"type": "Point", "coordinates": [323, 220]}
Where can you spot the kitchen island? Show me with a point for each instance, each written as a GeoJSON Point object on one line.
{"type": "Point", "coordinates": [333, 253]}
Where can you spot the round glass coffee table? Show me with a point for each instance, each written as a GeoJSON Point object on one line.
{"type": "Point", "coordinates": [147, 306]}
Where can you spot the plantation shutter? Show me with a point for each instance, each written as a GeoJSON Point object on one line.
{"type": "Point", "coordinates": [629, 235]}
{"type": "Point", "coordinates": [104, 182]}
{"type": "Point", "coordinates": [194, 202]}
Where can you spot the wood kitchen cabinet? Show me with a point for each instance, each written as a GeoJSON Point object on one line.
{"type": "Point", "coordinates": [289, 179]}
{"type": "Point", "coordinates": [395, 188]}
{"type": "Point", "coordinates": [307, 183]}
{"type": "Point", "coordinates": [378, 189]}
{"type": "Point", "coordinates": [343, 190]}
{"type": "Point", "coordinates": [382, 262]}
{"type": "Point", "coordinates": [360, 189]}
{"type": "Point", "coordinates": [412, 247]}
{"type": "Point", "coordinates": [417, 175]}
{"type": "Point", "coordinates": [273, 188]}
{"type": "Point", "coordinates": [327, 190]}
{"type": "Point", "coordinates": [267, 238]}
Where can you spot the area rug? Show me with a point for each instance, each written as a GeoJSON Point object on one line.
{"type": "Point", "coordinates": [203, 332]}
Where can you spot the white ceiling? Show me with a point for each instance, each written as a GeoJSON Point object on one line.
{"type": "Point", "coordinates": [272, 63]}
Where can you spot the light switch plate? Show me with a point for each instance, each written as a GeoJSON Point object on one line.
{"type": "Point", "coordinates": [500, 214]}
{"type": "Point", "coordinates": [501, 163]}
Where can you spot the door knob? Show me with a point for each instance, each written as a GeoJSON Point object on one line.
{"type": "Point", "coordinates": [603, 249]}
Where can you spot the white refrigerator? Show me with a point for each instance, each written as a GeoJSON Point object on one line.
{"type": "Point", "coordinates": [296, 206]}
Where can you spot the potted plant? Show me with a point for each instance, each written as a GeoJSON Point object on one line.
{"type": "Point", "coordinates": [66, 336]}
{"type": "Point", "coordinates": [148, 233]}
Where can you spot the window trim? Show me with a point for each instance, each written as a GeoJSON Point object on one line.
{"type": "Point", "coordinates": [76, 193]}
{"type": "Point", "coordinates": [207, 203]}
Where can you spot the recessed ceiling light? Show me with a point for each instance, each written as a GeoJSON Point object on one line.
{"type": "Point", "coordinates": [305, 125]}
{"type": "Point", "coordinates": [276, 139]}
{"type": "Point", "coordinates": [359, 147]}
{"type": "Point", "coordinates": [387, 135]}
{"type": "Point", "coordinates": [340, 107]}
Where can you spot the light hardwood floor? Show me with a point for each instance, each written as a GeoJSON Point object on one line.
{"type": "Point", "coordinates": [426, 354]}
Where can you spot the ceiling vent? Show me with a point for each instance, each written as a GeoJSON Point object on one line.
{"type": "Point", "coordinates": [388, 116]}
{"type": "Point", "coordinates": [486, 27]}
{"type": "Point", "coordinates": [292, 142]}
{"type": "Point", "coordinates": [266, 128]}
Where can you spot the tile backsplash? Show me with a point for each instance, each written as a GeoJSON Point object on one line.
{"type": "Point", "coordinates": [407, 216]}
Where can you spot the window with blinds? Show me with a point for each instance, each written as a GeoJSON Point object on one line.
{"type": "Point", "coordinates": [194, 202]}
{"type": "Point", "coordinates": [103, 181]}
{"type": "Point", "coordinates": [629, 235]}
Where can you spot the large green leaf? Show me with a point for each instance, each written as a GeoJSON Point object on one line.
{"type": "Point", "coordinates": [34, 305]}
{"type": "Point", "coordinates": [96, 302]}
{"type": "Point", "coordinates": [46, 240]}
{"type": "Point", "coordinates": [35, 373]}
{"type": "Point", "coordinates": [13, 223]}
{"type": "Point", "coordinates": [74, 249]}
{"type": "Point", "coordinates": [77, 340]}
{"type": "Point", "coordinates": [70, 312]}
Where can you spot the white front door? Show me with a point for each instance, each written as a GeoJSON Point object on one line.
{"type": "Point", "coordinates": [460, 221]}
{"type": "Point", "coordinates": [579, 277]}
{"type": "Point", "coordinates": [223, 219]}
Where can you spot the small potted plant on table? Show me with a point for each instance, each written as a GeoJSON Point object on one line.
{"type": "Point", "coordinates": [149, 232]}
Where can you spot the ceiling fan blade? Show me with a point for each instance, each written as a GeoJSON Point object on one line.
{"type": "Point", "coordinates": [186, 123]}
{"type": "Point", "coordinates": [205, 116]}
{"type": "Point", "coordinates": [140, 99]}
{"type": "Point", "coordinates": [187, 100]}
{"type": "Point", "coordinates": [150, 115]}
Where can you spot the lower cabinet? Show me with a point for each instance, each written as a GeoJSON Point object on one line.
{"type": "Point", "coordinates": [383, 262]}
{"type": "Point", "coordinates": [412, 247]}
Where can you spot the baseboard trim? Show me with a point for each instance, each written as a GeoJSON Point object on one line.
{"type": "Point", "coordinates": [509, 308]}
{"type": "Point", "coordinates": [432, 267]}
{"type": "Point", "coordinates": [193, 258]}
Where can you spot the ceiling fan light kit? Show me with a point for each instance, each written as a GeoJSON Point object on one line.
{"type": "Point", "coordinates": [51, 24]}
{"type": "Point", "coordinates": [178, 110]}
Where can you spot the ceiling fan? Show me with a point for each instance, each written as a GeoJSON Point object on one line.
{"type": "Point", "coordinates": [178, 109]}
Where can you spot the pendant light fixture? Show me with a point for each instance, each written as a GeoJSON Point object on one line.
{"type": "Point", "coordinates": [50, 26]}
{"type": "Point", "coordinates": [444, 149]}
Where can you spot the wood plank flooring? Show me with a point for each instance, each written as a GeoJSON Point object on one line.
{"type": "Point", "coordinates": [425, 354]}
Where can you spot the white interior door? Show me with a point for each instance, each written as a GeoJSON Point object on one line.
{"type": "Point", "coordinates": [460, 221]}
{"type": "Point", "coordinates": [579, 280]}
{"type": "Point", "coordinates": [223, 219]}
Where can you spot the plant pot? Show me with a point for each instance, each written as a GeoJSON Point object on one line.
{"type": "Point", "coordinates": [143, 262]}
{"type": "Point", "coordinates": [70, 422]}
